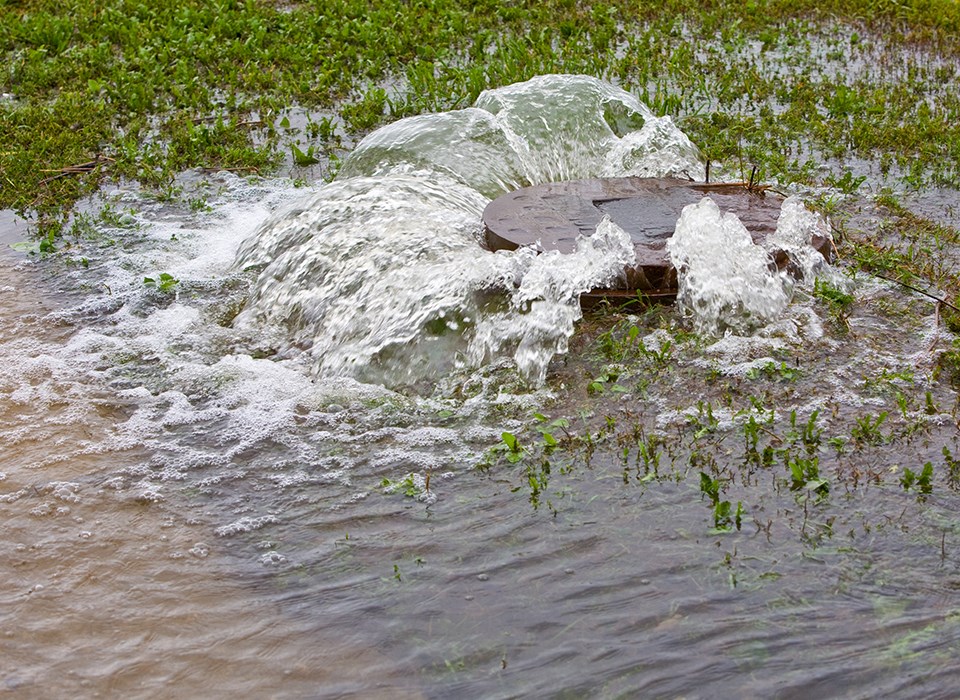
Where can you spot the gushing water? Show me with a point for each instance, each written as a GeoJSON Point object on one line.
{"type": "Point", "coordinates": [381, 275]}
{"type": "Point", "coordinates": [185, 505]}
{"type": "Point", "coordinates": [727, 282]}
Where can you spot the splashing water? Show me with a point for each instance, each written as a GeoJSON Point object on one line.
{"type": "Point", "coordinates": [546, 304]}
{"type": "Point", "coordinates": [381, 274]}
{"type": "Point", "coordinates": [796, 227]}
{"type": "Point", "coordinates": [726, 281]}
{"type": "Point", "coordinates": [143, 439]}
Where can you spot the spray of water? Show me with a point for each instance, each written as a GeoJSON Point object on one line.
{"type": "Point", "coordinates": [546, 303]}
{"type": "Point", "coordinates": [381, 274]}
{"type": "Point", "coordinates": [729, 283]}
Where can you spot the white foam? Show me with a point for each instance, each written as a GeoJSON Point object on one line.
{"type": "Point", "coordinates": [545, 304]}
{"type": "Point", "coordinates": [725, 278]}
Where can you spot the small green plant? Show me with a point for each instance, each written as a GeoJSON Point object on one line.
{"type": "Point", "coordinates": [537, 477]}
{"type": "Point", "coordinates": [848, 183]}
{"type": "Point", "coordinates": [514, 451]}
{"type": "Point", "coordinates": [725, 517]}
{"type": "Point", "coordinates": [304, 159]}
{"type": "Point", "coordinates": [704, 422]}
{"type": "Point", "coordinates": [921, 482]}
{"type": "Point", "coordinates": [547, 428]}
{"type": "Point", "coordinates": [811, 434]}
{"type": "Point", "coordinates": [751, 434]}
{"type": "Point", "coordinates": [617, 346]}
{"type": "Point", "coordinates": [648, 454]}
{"type": "Point", "coordinates": [509, 447]}
{"type": "Point", "coordinates": [837, 301]}
{"type": "Point", "coordinates": [607, 381]}
{"type": "Point", "coordinates": [805, 475]}
{"type": "Point", "coordinates": [838, 443]}
{"type": "Point", "coordinates": [164, 282]}
{"type": "Point", "coordinates": [406, 486]}
{"type": "Point", "coordinates": [952, 466]}
{"type": "Point", "coordinates": [775, 372]}
{"type": "Point", "coordinates": [948, 365]}
{"type": "Point", "coordinates": [867, 429]}
{"type": "Point", "coordinates": [659, 356]}
{"type": "Point", "coordinates": [930, 408]}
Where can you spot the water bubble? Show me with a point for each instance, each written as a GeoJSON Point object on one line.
{"type": "Point", "coordinates": [245, 524]}
{"type": "Point", "coordinates": [272, 559]}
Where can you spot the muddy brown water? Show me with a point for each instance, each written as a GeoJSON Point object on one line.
{"type": "Point", "coordinates": [105, 596]}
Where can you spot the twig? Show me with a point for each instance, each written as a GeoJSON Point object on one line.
{"type": "Point", "coordinates": [917, 290]}
{"type": "Point", "coordinates": [87, 167]}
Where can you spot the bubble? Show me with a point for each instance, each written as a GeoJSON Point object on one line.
{"type": "Point", "coordinates": [245, 524]}
{"type": "Point", "coordinates": [200, 550]}
{"type": "Point", "coordinates": [272, 559]}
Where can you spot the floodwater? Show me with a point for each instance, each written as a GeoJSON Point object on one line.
{"type": "Point", "coordinates": [240, 485]}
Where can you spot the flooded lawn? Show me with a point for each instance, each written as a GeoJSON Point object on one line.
{"type": "Point", "coordinates": [320, 443]}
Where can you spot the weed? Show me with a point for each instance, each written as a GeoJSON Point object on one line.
{"type": "Point", "coordinates": [948, 365]}
{"type": "Point", "coordinates": [867, 429]}
{"type": "Point", "coordinates": [838, 443]}
{"type": "Point", "coordinates": [811, 434]}
{"type": "Point", "coordinates": [607, 381]}
{"type": "Point", "coordinates": [304, 159]}
{"type": "Point", "coordinates": [805, 475]}
{"type": "Point", "coordinates": [773, 371]}
{"type": "Point", "coordinates": [406, 486]}
{"type": "Point", "coordinates": [514, 452]}
{"type": "Point", "coordinates": [164, 282]}
{"type": "Point", "coordinates": [921, 482]}
{"type": "Point", "coordinates": [952, 466]}
{"type": "Point", "coordinates": [704, 422]}
{"type": "Point", "coordinates": [752, 429]}
{"type": "Point", "coordinates": [547, 428]}
{"type": "Point", "coordinates": [725, 517]}
{"type": "Point", "coordinates": [838, 301]}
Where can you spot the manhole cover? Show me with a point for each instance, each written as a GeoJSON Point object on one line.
{"type": "Point", "coordinates": [554, 214]}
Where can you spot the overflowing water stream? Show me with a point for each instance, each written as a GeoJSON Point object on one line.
{"type": "Point", "coordinates": [257, 473]}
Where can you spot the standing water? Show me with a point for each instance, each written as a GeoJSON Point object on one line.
{"type": "Point", "coordinates": [259, 475]}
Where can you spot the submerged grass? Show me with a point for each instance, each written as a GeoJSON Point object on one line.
{"type": "Point", "coordinates": [807, 92]}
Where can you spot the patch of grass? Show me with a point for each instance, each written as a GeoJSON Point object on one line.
{"type": "Point", "coordinates": [160, 88]}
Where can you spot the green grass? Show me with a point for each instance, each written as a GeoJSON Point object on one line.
{"type": "Point", "coordinates": [164, 87]}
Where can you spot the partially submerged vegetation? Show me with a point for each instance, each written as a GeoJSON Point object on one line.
{"type": "Point", "coordinates": [810, 92]}
{"type": "Point", "coordinates": [838, 99]}
{"type": "Point", "coordinates": [823, 454]}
